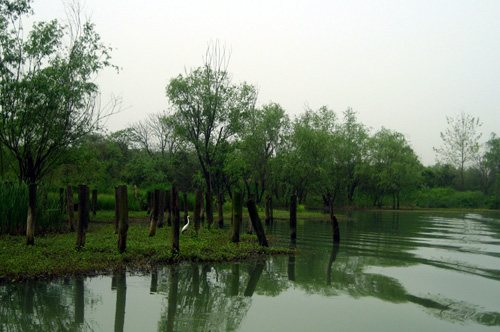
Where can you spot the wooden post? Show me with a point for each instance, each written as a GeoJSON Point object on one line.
{"type": "Point", "coordinates": [220, 202]}
{"type": "Point", "coordinates": [168, 207]}
{"type": "Point", "coordinates": [237, 216]}
{"type": "Point", "coordinates": [83, 214]}
{"type": "Point", "coordinates": [117, 210]}
{"type": "Point", "coordinates": [210, 209]}
{"type": "Point", "coordinates": [30, 223]}
{"type": "Point", "coordinates": [335, 224]}
{"type": "Point", "coordinates": [70, 204]}
{"type": "Point", "coordinates": [161, 208]}
{"type": "Point", "coordinates": [197, 210]}
{"type": "Point", "coordinates": [176, 221]}
{"type": "Point", "coordinates": [186, 207]}
{"type": "Point", "coordinates": [123, 223]}
{"type": "Point", "coordinates": [257, 224]}
{"type": "Point", "coordinates": [154, 216]}
{"type": "Point", "coordinates": [293, 217]}
{"type": "Point", "coordinates": [94, 201]}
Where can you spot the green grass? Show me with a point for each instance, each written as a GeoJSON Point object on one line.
{"type": "Point", "coordinates": [55, 255]}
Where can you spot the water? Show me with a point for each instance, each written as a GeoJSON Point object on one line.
{"type": "Point", "coordinates": [391, 272]}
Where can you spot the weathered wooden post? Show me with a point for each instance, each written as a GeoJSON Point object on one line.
{"type": "Point", "coordinates": [176, 220]}
{"type": "Point", "coordinates": [197, 210]}
{"type": "Point", "coordinates": [237, 216]}
{"type": "Point", "coordinates": [83, 214]}
{"type": "Point", "coordinates": [123, 223]}
{"type": "Point", "coordinates": [94, 201]}
{"type": "Point", "coordinates": [210, 209]}
{"type": "Point", "coordinates": [154, 216]}
{"type": "Point", "coordinates": [30, 223]}
{"type": "Point", "coordinates": [186, 207]}
{"type": "Point", "coordinates": [168, 207]}
{"type": "Point", "coordinates": [117, 210]}
{"type": "Point", "coordinates": [220, 204]}
{"type": "Point", "coordinates": [293, 217]}
{"type": "Point", "coordinates": [335, 224]}
{"type": "Point", "coordinates": [70, 204]}
{"type": "Point", "coordinates": [161, 208]}
{"type": "Point", "coordinates": [257, 224]}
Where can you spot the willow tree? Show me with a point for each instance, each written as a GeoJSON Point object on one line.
{"type": "Point", "coordinates": [210, 109]}
{"type": "Point", "coordinates": [48, 97]}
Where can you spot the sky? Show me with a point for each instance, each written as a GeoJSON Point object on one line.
{"type": "Point", "coordinates": [402, 65]}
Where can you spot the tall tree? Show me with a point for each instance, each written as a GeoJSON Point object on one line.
{"type": "Point", "coordinates": [460, 143]}
{"type": "Point", "coordinates": [210, 109]}
{"type": "Point", "coordinates": [48, 97]}
{"type": "Point", "coordinates": [492, 161]}
{"type": "Point", "coordinates": [394, 165]}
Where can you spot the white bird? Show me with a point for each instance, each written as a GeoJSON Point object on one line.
{"type": "Point", "coordinates": [185, 228]}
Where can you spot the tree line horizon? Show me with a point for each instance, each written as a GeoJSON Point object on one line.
{"type": "Point", "coordinates": [213, 137]}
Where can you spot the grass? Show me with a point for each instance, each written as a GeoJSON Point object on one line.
{"type": "Point", "coordinates": [55, 255]}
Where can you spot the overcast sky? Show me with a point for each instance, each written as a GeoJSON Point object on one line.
{"type": "Point", "coordinates": [404, 65]}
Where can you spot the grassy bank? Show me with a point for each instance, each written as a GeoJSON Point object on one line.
{"type": "Point", "coordinates": [55, 255]}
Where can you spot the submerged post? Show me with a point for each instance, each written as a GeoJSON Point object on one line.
{"type": "Point", "coordinates": [335, 224]}
{"type": "Point", "coordinates": [237, 216]}
{"type": "Point", "coordinates": [293, 217]}
{"type": "Point", "coordinates": [257, 224]}
{"type": "Point", "coordinates": [123, 222]}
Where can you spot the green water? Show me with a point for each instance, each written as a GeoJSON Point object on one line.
{"type": "Point", "coordinates": [391, 272]}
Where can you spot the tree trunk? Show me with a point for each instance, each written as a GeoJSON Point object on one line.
{"type": "Point", "coordinates": [168, 200]}
{"type": "Point", "coordinates": [123, 223]}
{"type": "Point", "coordinates": [94, 202]}
{"type": "Point", "coordinates": [237, 216]}
{"type": "Point", "coordinates": [293, 217]}
{"type": "Point", "coordinates": [30, 223]}
{"type": "Point", "coordinates": [257, 224]}
{"type": "Point", "coordinates": [149, 201]}
{"type": "Point", "coordinates": [197, 210]}
{"type": "Point", "coordinates": [202, 213]}
{"type": "Point", "coordinates": [161, 208]}
{"type": "Point", "coordinates": [154, 217]}
{"type": "Point", "coordinates": [186, 207]}
{"type": "Point", "coordinates": [210, 209]}
{"type": "Point", "coordinates": [70, 204]}
{"type": "Point", "coordinates": [220, 204]}
{"type": "Point", "coordinates": [268, 214]}
{"type": "Point", "coordinates": [83, 214]}
{"type": "Point", "coordinates": [176, 221]}
{"type": "Point", "coordinates": [62, 204]}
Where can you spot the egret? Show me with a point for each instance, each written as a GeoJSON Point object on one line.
{"type": "Point", "coordinates": [185, 228]}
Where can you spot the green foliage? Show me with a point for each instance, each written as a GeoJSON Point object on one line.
{"type": "Point", "coordinates": [14, 210]}
{"type": "Point", "coordinates": [450, 198]}
{"type": "Point", "coordinates": [55, 254]}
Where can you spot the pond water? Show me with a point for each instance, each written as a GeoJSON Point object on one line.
{"type": "Point", "coordinates": [390, 272]}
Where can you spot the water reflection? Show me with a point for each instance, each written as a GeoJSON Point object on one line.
{"type": "Point", "coordinates": [421, 261]}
